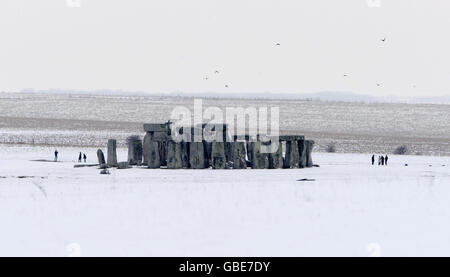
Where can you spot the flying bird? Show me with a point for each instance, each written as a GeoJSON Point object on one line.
{"type": "Point", "coordinates": [278, 44]}
{"type": "Point", "coordinates": [345, 75]}
{"type": "Point", "coordinates": [383, 39]}
{"type": "Point", "coordinates": [206, 78]}
{"type": "Point", "coordinates": [216, 72]}
{"type": "Point", "coordinates": [226, 86]}
{"type": "Point", "coordinates": [378, 85]}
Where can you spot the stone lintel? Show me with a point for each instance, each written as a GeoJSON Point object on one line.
{"type": "Point", "coordinates": [268, 138]}
{"type": "Point", "coordinates": [155, 127]}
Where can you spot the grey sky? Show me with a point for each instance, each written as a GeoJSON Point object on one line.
{"type": "Point", "coordinates": [171, 45]}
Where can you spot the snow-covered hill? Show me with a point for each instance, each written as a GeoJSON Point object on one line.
{"type": "Point", "coordinates": [350, 209]}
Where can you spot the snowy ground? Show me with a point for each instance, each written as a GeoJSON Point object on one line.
{"type": "Point", "coordinates": [351, 209]}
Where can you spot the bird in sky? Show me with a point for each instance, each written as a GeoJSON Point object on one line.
{"type": "Point", "coordinates": [226, 86]}
{"type": "Point", "coordinates": [345, 75]}
{"type": "Point", "coordinates": [278, 44]}
{"type": "Point", "coordinates": [383, 39]}
{"type": "Point", "coordinates": [216, 72]}
{"type": "Point", "coordinates": [378, 85]}
{"type": "Point", "coordinates": [206, 78]}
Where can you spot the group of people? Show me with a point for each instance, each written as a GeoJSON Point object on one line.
{"type": "Point", "coordinates": [82, 156]}
{"type": "Point", "coordinates": [382, 160]}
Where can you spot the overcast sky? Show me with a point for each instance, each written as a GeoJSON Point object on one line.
{"type": "Point", "coordinates": [173, 45]}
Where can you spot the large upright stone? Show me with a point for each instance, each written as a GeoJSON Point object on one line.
{"type": "Point", "coordinates": [250, 152]}
{"type": "Point", "coordinates": [292, 158]}
{"type": "Point", "coordinates": [259, 160]}
{"type": "Point", "coordinates": [163, 152]}
{"type": "Point", "coordinates": [238, 150]}
{"type": "Point", "coordinates": [100, 157]}
{"type": "Point", "coordinates": [228, 151]}
{"type": "Point", "coordinates": [302, 153]}
{"type": "Point", "coordinates": [112, 153]}
{"type": "Point", "coordinates": [263, 155]}
{"type": "Point", "coordinates": [228, 142]}
{"type": "Point", "coordinates": [174, 155]}
{"type": "Point", "coordinates": [134, 150]}
{"type": "Point", "coordinates": [196, 155]}
{"type": "Point", "coordinates": [185, 154]}
{"type": "Point", "coordinates": [153, 155]}
{"type": "Point", "coordinates": [309, 148]}
{"type": "Point", "coordinates": [145, 147]}
{"type": "Point", "coordinates": [276, 155]}
{"type": "Point", "coordinates": [207, 150]}
{"type": "Point", "coordinates": [219, 160]}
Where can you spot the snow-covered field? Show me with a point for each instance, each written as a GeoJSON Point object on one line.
{"type": "Point", "coordinates": [351, 209]}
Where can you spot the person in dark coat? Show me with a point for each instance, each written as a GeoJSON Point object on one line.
{"type": "Point", "coordinates": [79, 158]}
{"type": "Point", "coordinates": [373, 159]}
{"type": "Point", "coordinates": [385, 160]}
{"type": "Point", "coordinates": [382, 160]}
{"type": "Point", "coordinates": [84, 158]}
{"type": "Point", "coordinates": [56, 155]}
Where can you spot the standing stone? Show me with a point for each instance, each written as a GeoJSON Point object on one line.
{"type": "Point", "coordinates": [196, 155]}
{"type": "Point", "coordinates": [263, 158]}
{"type": "Point", "coordinates": [185, 154]}
{"type": "Point", "coordinates": [134, 150]}
{"type": "Point", "coordinates": [302, 153]}
{"type": "Point", "coordinates": [238, 149]}
{"type": "Point", "coordinates": [250, 152]}
{"type": "Point", "coordinates": [100, 157]}
{"type": "Point", "coordinates": [276, 156]}
{"type": "Point", "coordinates": [163, 152]}
{"type": "Point", "coordinates": [218, 155]}
{"type": "Point", "coordinates": [174, 155]}
{"type": "Point", "coordinates": [292, 158]}
{"type": "Point", "coordinates": [207, 149]}
{"type": "Point", "coordinates": [309, 148]}
{"type": "Point", "coordinates": [258, 160]}
{"type": "Point", "coordinates": [153, 155]}
{"type": "Point", "coordinates": [145, 147]}
{"type": "Point", "coordinates": [228, 151]}
{"type": "Point", "coordinates": [112, 154]}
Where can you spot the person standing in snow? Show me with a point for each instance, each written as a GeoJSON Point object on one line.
{"type": "Point", "coordinates": [79, 158]}
{"type": "Point", "coordinates": [373, 159]}
{"type": "Point", "coordinates": [84, 157]}
{"type": "Point", "coordinates": [382, 160]}
{"type": "Point", "coordinates": [56, 155]}
{"type": "Point", "coordinates": [385, 159]}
